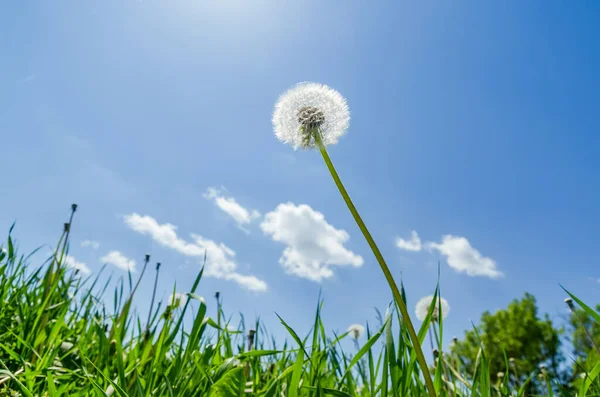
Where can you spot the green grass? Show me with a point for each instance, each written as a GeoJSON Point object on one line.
{"type": "Point", "coordinates": [57, 338]}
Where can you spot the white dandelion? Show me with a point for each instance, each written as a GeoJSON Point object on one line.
{"type": "Point", "coordinates": [308, 109]}
{"type": "Point", "coordinates": [356, 330]}
{"type": "Point", "coordinates": [284, 390]}
{"type": "Point", "coordinates": [311, 115]}
{"type": "Point", "coordinates": [66, 346]}
{"type": "Point", "coordinates": [388, 313]}
{"type": "Point", "coordinates": [422, 308]}
{"type": "Point", "coordinates": [177, 300]}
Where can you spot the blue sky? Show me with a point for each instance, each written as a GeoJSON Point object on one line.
{"type": "Point", "coordinates": [475, 120]}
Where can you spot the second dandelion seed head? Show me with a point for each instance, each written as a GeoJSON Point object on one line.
{"type": "Point", "coordinates": [424, 304]}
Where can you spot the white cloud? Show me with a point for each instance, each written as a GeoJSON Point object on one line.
{"type": "Point", "coordinates": [414, 244]}
{"type": "Point", "coordinates": [220, 259]}
{"type": "Point", "coordinates": [231, 207]}
{"type": "Point", "coordinates": [119, 260]}
{"type": "Point", "coordinates": [250, 282]}
{"type": "Point", "coordinates": [73, 263]}
{"type": "Point", "coordinates": [90, 243]}
{"type": "Point", "coordinates": [313, 246]}
{"type": "Point", "coordinates": [463, 258]}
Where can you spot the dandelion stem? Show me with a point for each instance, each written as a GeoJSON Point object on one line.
{"type": "Point", "coordinates": [431, 341]}
{"type": "Point", "coordinates": [153, 297]}
{"type": "Point", "coordinates": [439, 342]}
{"type": "Point", "coordinates": [384, 267]}
{"type": "Point", "coordinates": [581, 319]}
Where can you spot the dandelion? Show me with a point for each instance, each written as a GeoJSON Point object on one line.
{"type": "Point", "coordinates": [356, 330]}
{"type": "Point", "coordinates": [177, 300]}
{"type": "Point", "coordinates": [308, 109]}
{"type": "Point", "coordinates": [311, 115]}
{"type": "Point", "coordinates": [66, 346]}
{"type": "Point", "coordinates": [423, 305]}
{"type": "Point", "coordinates": [388, 313]}
{"type": "Point", "coordinates": [451, 386]}
{"type": "Point", "coordinates": [569, 303]}
{"type": "Point", "coordinates": [283, 390]}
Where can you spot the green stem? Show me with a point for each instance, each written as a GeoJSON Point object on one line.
{"type": "Point", "coordinates": [587, 331]}
{"type": "Point", "coordinates": [382, 264]}
{"type": "Point", "coordinates": [440, 360]}
{"type": "Point", "coordinates": [153, 297]}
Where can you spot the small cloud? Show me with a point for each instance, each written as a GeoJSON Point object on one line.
{"type": "Point", "coordinates": [251, 283]}
{"type": "Point", "coordinates": [313, 246]}
{"type": "Point", "coordinates": [91, 244]}
{"type": "Point", "coordinates": [119, 260]}
{"type": "Point", "coordinates": [414, 244]}
{"type": "Point", "coordinates": [231, 207]}
{"type": "Point", "coordinates": [73, 263]}
{"type": "Point", "coordinates": [463, 258]}
{"type": "Point", "coordinates": [211, 193]}
{"type": "Point", "coordinates": [220, 259]}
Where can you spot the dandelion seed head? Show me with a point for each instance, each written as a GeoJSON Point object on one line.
{"type": "Point", "coordinates": [177, 300]}
{"type": "Point", "coordinates": [569, 303]}
{"type": "Point", "coordinates": [356, 330]}
{"type": "Point", "coordinates": [422, 308]}
{"type": "Point", "coordinates": [387, 313]}
{"type": "Point", "coordinates": [283, 390]}
{"type": "Point", "coordinates": [309, 107]}
{"type": "Point", "coordinates": [66, 346]}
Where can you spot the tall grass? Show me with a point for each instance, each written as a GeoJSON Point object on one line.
{"type": "Point", "coordinates": [59, 338]}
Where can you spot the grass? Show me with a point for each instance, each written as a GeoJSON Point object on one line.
{"type": "Point", "coordinates": [58, 338]}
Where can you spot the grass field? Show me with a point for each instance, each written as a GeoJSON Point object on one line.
{"type": "Point", "coordinates": [58, 338]}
